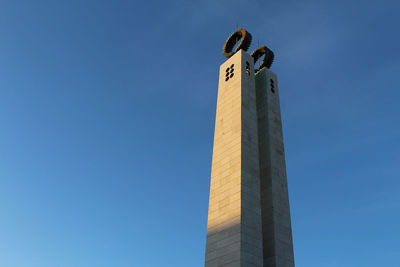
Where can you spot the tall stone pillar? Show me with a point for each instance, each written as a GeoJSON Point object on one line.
{"type": "Point", "coordinates": [277, 230]}
{"type": "Point", "coordinates": [234, 231]}
{"type": "Point", "coordinates": [249, 215]}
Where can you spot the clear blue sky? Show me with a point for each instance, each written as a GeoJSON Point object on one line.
{"type": "Point", "coordinates": [107, 116]}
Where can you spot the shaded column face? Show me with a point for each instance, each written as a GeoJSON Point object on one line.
{"type": "Point", "coordinates": [276, 224]}
{"type": "Point", "coordinates": [234, 235]}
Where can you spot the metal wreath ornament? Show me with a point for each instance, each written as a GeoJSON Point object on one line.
{"type": "Point", "coordinates": [245, 41]}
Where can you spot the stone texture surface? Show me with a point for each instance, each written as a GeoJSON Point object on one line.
{"type": "Point", "coordinates": [234, 221]}
{"type": "Point", "coordinates": [248, 218]}
{"type": "Point", "coordinates": [276, 224]}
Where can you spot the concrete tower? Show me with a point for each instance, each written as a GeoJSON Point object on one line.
{"type": "Point", "coordinates": [248, 218]}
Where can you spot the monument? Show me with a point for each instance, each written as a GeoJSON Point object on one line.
{"type": "Point", "coordinates": [249, 216]}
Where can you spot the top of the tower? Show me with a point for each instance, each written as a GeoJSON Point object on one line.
{"type": "Point", "coordinates": [245, 41]}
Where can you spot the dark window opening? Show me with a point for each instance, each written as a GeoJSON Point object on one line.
{"type": "Point", "coordinates": [272, 85]}
{"type": "Point", "coordinates": [229, 72]}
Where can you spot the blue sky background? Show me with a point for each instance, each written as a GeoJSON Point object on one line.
{"type": "Point", "coordinates": [107, 114]}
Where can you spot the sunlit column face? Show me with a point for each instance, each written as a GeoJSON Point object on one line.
{"type": "Point", "coordinates": [234, 175]}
